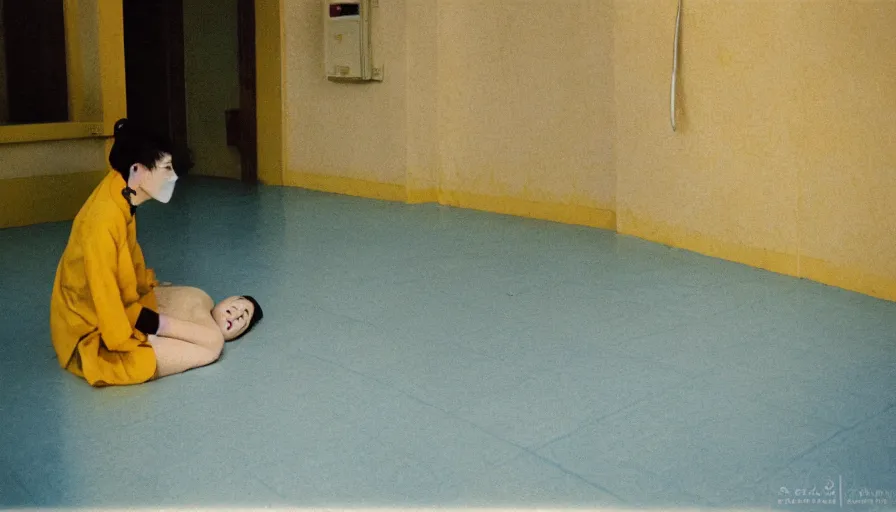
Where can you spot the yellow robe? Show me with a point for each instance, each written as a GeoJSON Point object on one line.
{"type": "Point", "coordinates": [101, 286]}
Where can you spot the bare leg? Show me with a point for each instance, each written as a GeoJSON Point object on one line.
{"type": "Point", "coordinates": [188, 336]}
{"type": "Point", "coordinates": [177, 356]}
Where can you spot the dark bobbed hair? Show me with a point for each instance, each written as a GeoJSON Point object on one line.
{"type": "Point", "coordinates": [256, 316]}
{"type": "Point", "coordinates": [134, 144]}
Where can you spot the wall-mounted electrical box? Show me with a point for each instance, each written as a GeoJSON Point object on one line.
{"type": "Point", "coordinates": [348, 52]}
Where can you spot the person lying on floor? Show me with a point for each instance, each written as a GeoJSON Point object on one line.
{"type": "Point", "coordinates": [203, 326]}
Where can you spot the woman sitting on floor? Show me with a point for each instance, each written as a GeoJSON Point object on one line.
{"type": "Point", "coordinates": [105, 322]}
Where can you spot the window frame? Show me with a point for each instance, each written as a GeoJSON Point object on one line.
{"type": "Point", "coordinates": [111, 79]}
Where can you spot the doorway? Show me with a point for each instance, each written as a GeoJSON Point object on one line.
{"type": "Point", "coordinates": [194, 80]}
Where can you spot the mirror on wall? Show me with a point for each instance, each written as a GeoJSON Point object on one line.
{"type": "Point", "coordinates": [33, 75]}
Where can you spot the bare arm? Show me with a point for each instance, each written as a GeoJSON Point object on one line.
{"type": "Point", "coordinates": [190, 332]}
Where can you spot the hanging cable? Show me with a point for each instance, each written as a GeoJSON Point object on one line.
{"type": "Point", "coordinates": [675, 65]}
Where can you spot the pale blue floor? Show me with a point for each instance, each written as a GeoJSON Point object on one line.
{"type": "Point", "coordinates": [421, 355]}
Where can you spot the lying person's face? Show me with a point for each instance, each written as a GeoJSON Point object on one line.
{"type": "Point", "coordinates": [233, 315]}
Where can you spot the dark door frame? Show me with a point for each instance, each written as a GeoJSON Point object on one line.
{"type": "Point", "coordinates": [154, 66]}
{"type": "Point", "coordinates": [170, 41]}
{"type": "Point", "coordinates": [248, 91]}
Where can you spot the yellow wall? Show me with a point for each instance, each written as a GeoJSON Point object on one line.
{"type": "Point", "coordinates": [51, 158]}
{"type": "Point", "coordinates": [782, 158]}
{"type": "Point", "coordinates": [422, 90]}
{"type": "Point", "coordinates": [47, 181]}
{"type": "Point", "coordinates": [729, 174]}
{"type": "Point", "coordinates": [845, 143]}
{"type": "Point", "coordinates": [355, 133]}
{"type": "Point", "coordinates": [478, 109]}
{"type": "Point", "coordinates": [526, 104]}
{"type": "Point", "coordinates": [211, 71]}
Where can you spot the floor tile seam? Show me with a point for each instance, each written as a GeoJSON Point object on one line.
{"type": "Point", "coordinates": [768, 471]}
{"type": "Point", "coordinates": [447, 413]}
{"type": "Point", "coordinates": [97, 436]}
{"type": "Point", "coordinates": [818, 420]}
{"type": "Point", "coordinates": [618, 348]}
{"type": "Point", "coordinates": [253, 472]}
{"type": "Point", "coordinates": [859, 395]}
{"type": "Point", "coordinates": [807, 378]}
{"type": "Point", "coordinates": [803, 454]}
{"type": "Point", "coordinates": [571, 473]}
{"type": "Point", "coordinates": [631, 465]}
{"type": "Point", "coordinates": [618, 351]}
{"type": "Point", "coordinates": [344, 317]}
{"type": "Point", "coordinates": [491, 435]}
{"type": "Point", "coordinates": [453, 296]}
{"type": "Point", "coordinates": [16, 477]}
{"type": "Point", "coordinates": [885, 410]}
{"type": "Point", "coordinates": [266, 485]}
{"type": "Point", "coordinates": [595, 421]}
{"type": "Point", "coordinates": [672, 327]}
{"type": "Point", "coordinates": [839, 434]}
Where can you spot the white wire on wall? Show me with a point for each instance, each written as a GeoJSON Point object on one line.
{"type": "Point", "coordinates": [675, 65]}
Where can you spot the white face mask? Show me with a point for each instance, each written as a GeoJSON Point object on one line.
{"type": "Point", "coordinates": [165, 190]}
{"type": "Point", "coordinates": [159, 183]}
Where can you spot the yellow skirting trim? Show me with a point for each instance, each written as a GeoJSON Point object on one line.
{"type": "Point", "coordinates": [848, 278]}
{"type": "Point", "coordinates": [788, 264]}
{"type": "Point", "coordinates": [37, 199]}
{"type": "Point", "coordinates": [345, 186]}
{"type": "Point", "coordinates": [781, 263]}
{"type": "Point", "coordinates": [419, 196]}
{"type": "Point", "coordinates": [565, 213]}
{"type": "Point", "coordinates": [33, 200]}
{"type": "Point", "coordinates": [556, 212]}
